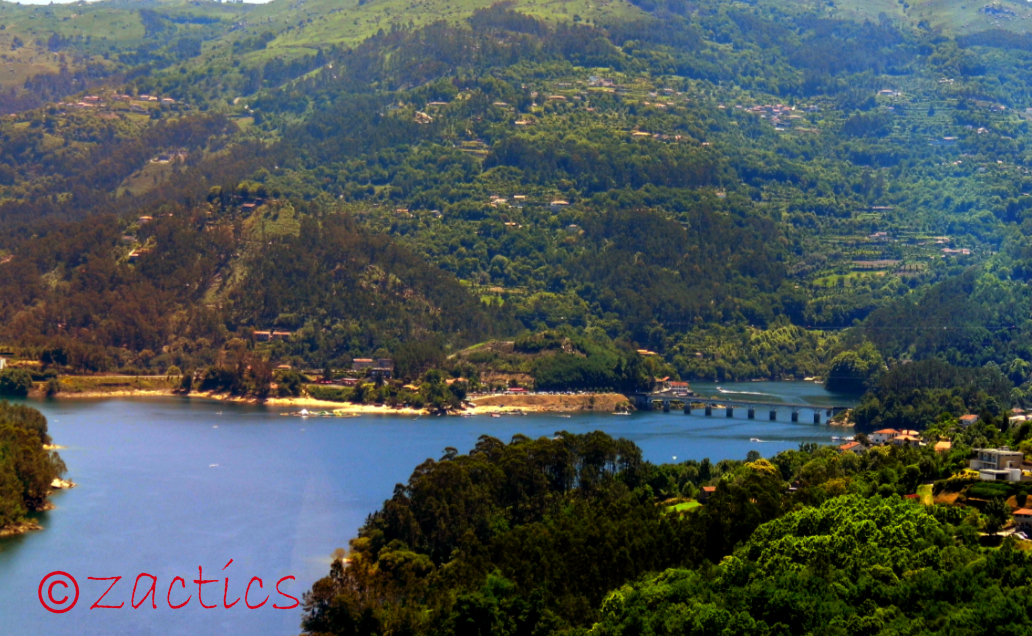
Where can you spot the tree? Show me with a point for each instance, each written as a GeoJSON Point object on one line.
{"type": "Point", "coordinates": [289, 383]}
{"type": "Point", "coordinates": [15, 382]}
{"type": "Point", "coordinates": [997, 514]}
{"type": "Point", "coordinates": [855, 371]}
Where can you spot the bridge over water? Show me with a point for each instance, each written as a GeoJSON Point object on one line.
{"type": "Point", "coordinates": [666, 400]}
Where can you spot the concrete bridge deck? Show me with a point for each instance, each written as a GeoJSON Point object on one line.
{"type": "Point", "coordinates": [648, 402]}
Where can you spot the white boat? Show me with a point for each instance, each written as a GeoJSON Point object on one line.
{"type": "Point", "coordinates": [755, 439]}
{"type": "Point", "coordinates": [495, 415]}
{"type": "Point", "coordinates": [835, 438]}
{"type": "Point", "coordinates": [622, 413]}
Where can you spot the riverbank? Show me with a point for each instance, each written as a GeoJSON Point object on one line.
{"type": "Point", "coordinates": [536, 403]}
{"type": "Point", "coordinates": [531, 403]}
{"type": "Point", "coordinates": [31, 525]}
{"type": "Point", "coordinates": [19, 528]}
{"type": "Point", "coordinates": [101, 387]}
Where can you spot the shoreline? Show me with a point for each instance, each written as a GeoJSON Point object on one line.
{"type": "Point", "coordinates": [475, 405]}
{"type": "Point", "coordinates": [20, 528]}
{"type": "Point", "coordinates": [480, 405]}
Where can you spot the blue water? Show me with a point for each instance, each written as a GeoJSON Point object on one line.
{"type": "Point", "coordinates": [167, 485]}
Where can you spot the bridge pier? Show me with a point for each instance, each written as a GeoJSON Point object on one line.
{"type": "Point", "coordinates": [730, 411]}
{"type": "Point", "coordinates": [816, 417]}
{"type": "Point", "coordinates": [795, 416]}
{"type": "Point", "coordinates": [687, 408]}
{"type": "Point", "coordinates": [666, 406]}
{"type": "Point", "coordinates": [752, 413]}
{"type": "Point", "coordinates": [709, 409]}
{"type": "Point", "coordinates": [773, 415]}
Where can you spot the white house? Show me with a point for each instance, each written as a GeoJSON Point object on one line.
{"type": "Point", "coordinates": [998, 464]}
{"type": "Point", "coordinates": [853, 447]}
{"type": "Point", "coordinates": [1023, 517]}
{"type": "Point", "coordinates": [883, 436]}
{"type": "Point", "coordinates": [906, 440]}
{"type": "Point", "coordinates": [969, 419]}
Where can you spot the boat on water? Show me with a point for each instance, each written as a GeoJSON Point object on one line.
{"type": "Point", "coordinates": [622, 413]}
{"type": "Point", "coordinates": [835, 438]}
{"type": "Point", "coordinates": [495, 415]}
{"type": "Point", "coordinates": [564, 416]}
{"type": "Point", "coordinates": [755, 439]}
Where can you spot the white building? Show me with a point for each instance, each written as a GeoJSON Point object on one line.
{"type": "Point", "coordinates": [998, 464]}
{"type": "Point", "coordinates": [883, 436]}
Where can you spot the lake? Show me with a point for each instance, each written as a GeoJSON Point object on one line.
{"type": "Point", "coordinates": [167, 485]}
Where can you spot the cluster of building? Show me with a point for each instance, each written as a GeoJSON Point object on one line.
{"type": "Point", "coordinates": [268, 336]}
{"type": "Point", "coordinates": [95, 101]}
{"type": "Point", "coordinates": [382, 368]}
{"type": "Point", "coordinates": [906, 437]}
{"type": "Point", "coordinates": [891, 437]}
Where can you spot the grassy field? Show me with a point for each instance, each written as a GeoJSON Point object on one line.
{"type": "Point", "coordinates": [319, 22]}
{"type": "Point", "coordinates": [114, 384]}
{"type": "Point", "coordinates": [91, 33]}
{"type": "Point", "coordinates": [683, 506]}
{"type": "Point", "coordinates": [958, 17]}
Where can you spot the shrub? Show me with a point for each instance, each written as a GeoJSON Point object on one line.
{"type": "Point", "coordinates": [329, 393]}
{"type": "Point", "coordinates": [15, 382]}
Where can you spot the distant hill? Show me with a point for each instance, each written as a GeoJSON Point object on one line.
{"type": "Point", "coordinates": [743, 189]}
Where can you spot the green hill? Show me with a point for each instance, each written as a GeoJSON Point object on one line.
{"type": "Point", "coordinates": [745, 190]}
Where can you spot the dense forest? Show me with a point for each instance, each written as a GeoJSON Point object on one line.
{"type": "Point", "coordinates": [27, 468]}
{"type": "Point", "coordinates": [577, 532]}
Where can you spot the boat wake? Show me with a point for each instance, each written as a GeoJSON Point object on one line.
{"type": "Point", "coordinates": [743, 392]}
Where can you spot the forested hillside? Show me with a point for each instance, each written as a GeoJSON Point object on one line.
{"type": "Point", "coordinates": [747, 190]}
{"type": "Point", "coordinates": [576, 534]}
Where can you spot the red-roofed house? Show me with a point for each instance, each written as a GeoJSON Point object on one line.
{"type": "Point", "coordinates": [705, 492]}
{"type": "Point", "coordinates": [969, 419]}
{"type": "Point", "coordinates": [1023, 517]}
{"type": "Point", "coordinates": [906, 440]}
{"type": "Point", "coordinates": [853, 447]}
{"type": "Point", "coordinates": [883, 436]}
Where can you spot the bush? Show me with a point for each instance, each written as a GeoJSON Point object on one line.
{"type": "Point", "coordinates": [15, 382]}
{"type": "Point", "coordinates": [289, 383]}
{"type": "Point", "coordinates": [329, 393]}
{"type": "Point", "coordinates": [989, 490]}
{"type": "Point", "coordinates": [953, 484]}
